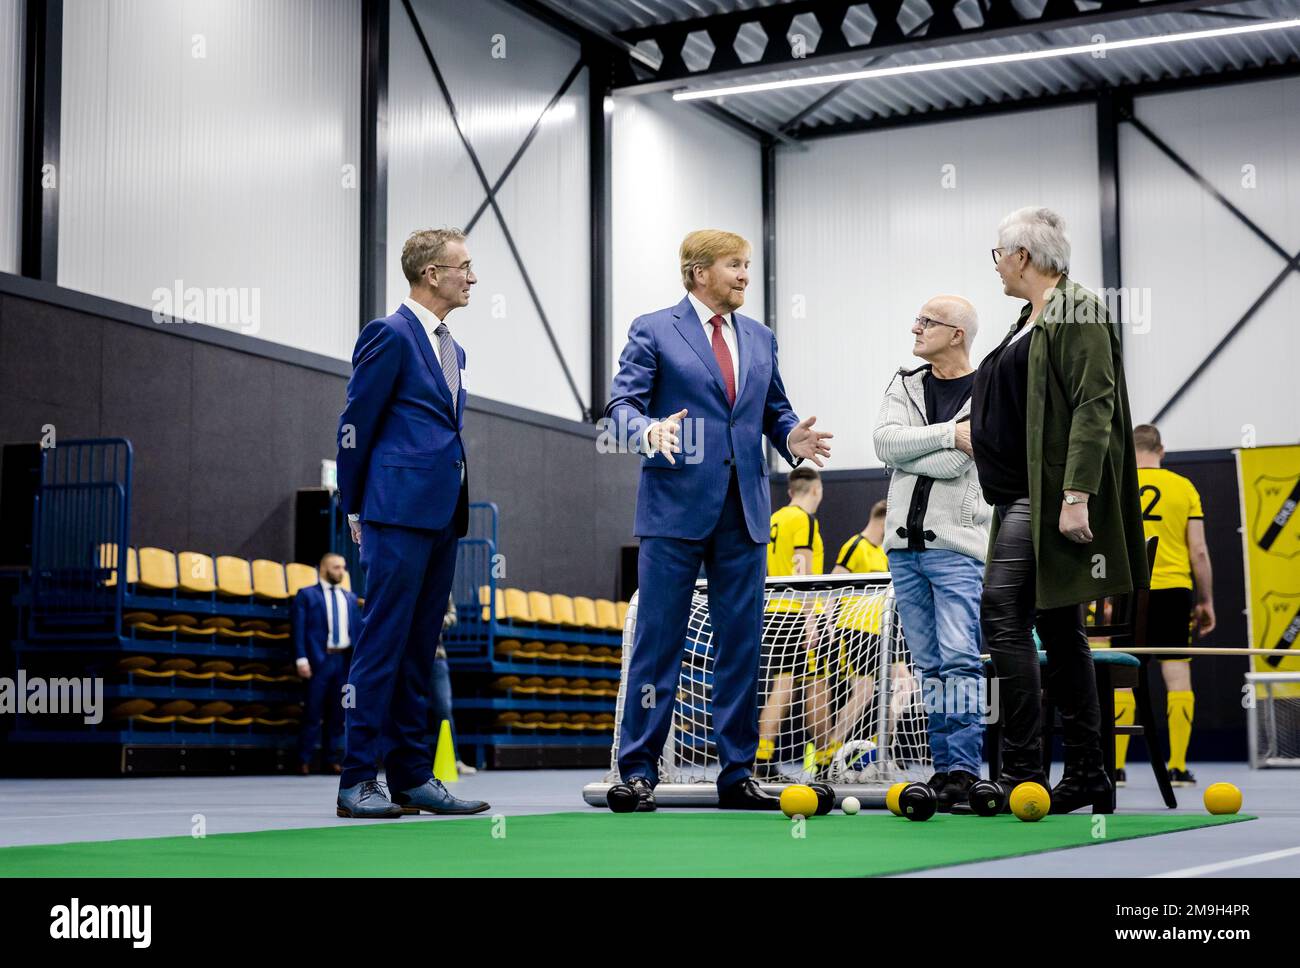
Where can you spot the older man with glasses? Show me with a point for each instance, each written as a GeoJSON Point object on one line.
{"type": "Point", "coordinates": [936, 534]}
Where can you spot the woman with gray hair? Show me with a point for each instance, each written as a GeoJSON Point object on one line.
{"type": "Point", "coordinates": [1053, 446]}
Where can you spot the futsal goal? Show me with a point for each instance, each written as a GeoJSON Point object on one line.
{"type": "Point", "coordinates": [841, 701]}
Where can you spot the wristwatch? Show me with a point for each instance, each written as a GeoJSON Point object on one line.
{"type": "Point", "coordinates": [1073, 499]}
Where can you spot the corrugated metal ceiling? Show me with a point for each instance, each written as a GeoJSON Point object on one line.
{"type": "Point", "coordinates": [879, 98]}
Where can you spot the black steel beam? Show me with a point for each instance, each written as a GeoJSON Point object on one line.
{"type": "Point", "coordinates": [768, 187]}
{"type": "Point", "coordinates": [1289, 68]}
{"type": "Point", "coordinates": [1109, 112]}
{"type": "Point", "coordinates": [374, 160]}
{"type": "Point", "coordinates": [42, 100]}
{"type": "Point", "coordinates": [1000, 18]}
{"type": "Point", "coordinates": [600, 135]}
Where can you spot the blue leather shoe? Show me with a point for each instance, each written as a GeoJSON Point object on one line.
{"type": "Point", "coordinates": [366, 801]}
{"type": "Point", "coordinates": [433, 797]}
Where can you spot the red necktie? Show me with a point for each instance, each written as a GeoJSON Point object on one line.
{"type": "Point", "coordinates": [724, 359]}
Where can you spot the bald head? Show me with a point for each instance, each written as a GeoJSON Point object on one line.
{"type": "Point", "coordinates": [944, 331]}
{"type": "Point", "coordinates": [955, 311]}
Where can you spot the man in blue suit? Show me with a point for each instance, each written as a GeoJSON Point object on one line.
{"type": "Point", "coordinates": [326, 620]}
{"type": "Point", "coordinates": [403, 483]}
{"type": "Point", "coordinates": [704, 361]}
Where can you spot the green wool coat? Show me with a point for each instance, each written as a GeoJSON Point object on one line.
{"type": "Point", "coordinates": [1079, 437]}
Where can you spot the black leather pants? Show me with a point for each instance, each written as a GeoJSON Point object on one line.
{"type": "Point", "coordinates": [1006, 616]}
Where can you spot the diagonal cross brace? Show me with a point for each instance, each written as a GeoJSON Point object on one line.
{"type": "Point", "coordinates": [491, 200]}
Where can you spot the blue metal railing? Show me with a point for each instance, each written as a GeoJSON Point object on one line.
{"type": "Point", "coordinates": [80, 537]}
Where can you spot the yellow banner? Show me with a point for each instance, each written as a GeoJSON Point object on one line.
{"type": "Point", "coordinates": [1269, 479]}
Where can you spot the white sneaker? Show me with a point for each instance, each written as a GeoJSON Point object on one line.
{"type": "Point", "coordinates": [465, 769]}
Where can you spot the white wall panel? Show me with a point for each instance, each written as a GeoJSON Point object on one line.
{"type": "Point", "coordinates": [544, 200]}
{"type": "Point", "coordinates": [206, 143]}
{"type": "Point", "coordinates": [675, 170]}
{"type": "Point", "coordinates": [1199, 268]}
{"type": "Point", "coordinates": [12, 54]}
{"type": "Point", "coordinates": [870, 226]}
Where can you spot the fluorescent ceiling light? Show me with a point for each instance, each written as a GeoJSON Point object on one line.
{"type": "Point", "coordinates": [1026, 55]}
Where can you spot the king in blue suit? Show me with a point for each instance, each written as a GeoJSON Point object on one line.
{"type": "Point", "coordinates": [711, 372]}
{"type": "Point", "coordinates": [403, 482]}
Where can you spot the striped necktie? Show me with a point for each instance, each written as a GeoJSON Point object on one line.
{"type": "Point", "coordinates": [450, 362]}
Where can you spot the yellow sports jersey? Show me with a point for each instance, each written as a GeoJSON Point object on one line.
{"type": "Point", "coordinates": [1168, 501]}
{"type": "Point", "coordinates": [793, 528]}
{"type": "Point", "coordinates": [860, 556]}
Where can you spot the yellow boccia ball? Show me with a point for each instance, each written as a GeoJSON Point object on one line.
{"type": "Point", "coordinates": [1222, 798]}
{"type": "Point", "coordinates": [1030, 801]}
{"type": "Point", "coordinates": [798, 800]}
{"type": "Point", "coordinates": [891, 799]}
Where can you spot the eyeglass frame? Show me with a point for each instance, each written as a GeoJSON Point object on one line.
{"type": "Point", "coordinates": [1003, 249]}
{"type": "Point", "coordinates": [467, 267]}
{"type": "Point", "coordinates": [926, 321]}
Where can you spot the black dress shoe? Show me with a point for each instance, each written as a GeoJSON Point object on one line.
{"type": "Point", "coordinates": [955, 795]}
{"type": "Point", "coordinates": [747, 795]}
{"type": "Point", "coordinates": [1084, 790]}
{"type": "Point", "coordinates": [645, 794]}
{"type": "Point", "coordinates": [937, 782]}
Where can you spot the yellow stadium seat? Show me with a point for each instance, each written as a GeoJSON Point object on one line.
{"type": "Point", "coordinates": [507, 648]}
{"type": "Point", "coordinates": [607, 615]}
{"type": "Point", "coordinates": [195, 573]}
{"type": "Point", "coordinates": [234, 576]}
{"type": "Point", "coordinates": [108, 559]}
{"type": "Point", "coordinates": [562, 610]}
{"type": "Point", "coordinates": [268, 580]}
{"type": "Point", "coordinates": [134, 662]}
{"type": "Point", "coordinates": [299, 576]}
{"type": "Point", "coordinates": [621, 610]}
{"type": "Point", "coordinates": [517, 606]}
{"type": "Point", "coordinates": [584, 612]}
{"type": "Point", "coordinates": [130, 707]}
{"type": "Point", "coordinates": [346, 583]}
{"type": "Point", "coordinates": [531, 650]}
{"type": "Point", "coordinates": [484, 598]}
{"type": "Point", "coordinates": [157, 570]}
{"type": "Point", "coordinates": [539, 603]}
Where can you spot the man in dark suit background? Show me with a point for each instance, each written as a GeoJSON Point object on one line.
{"type": "Point", "coordinates": [326, 621]}
{"type": "Point", "coordinates": [404, 486]}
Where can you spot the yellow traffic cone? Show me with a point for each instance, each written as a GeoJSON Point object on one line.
{"type": "Point", "coordinates": [444, 759]}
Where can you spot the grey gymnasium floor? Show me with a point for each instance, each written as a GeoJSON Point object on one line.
{"type": "Point", "coordinates": [62, 811]}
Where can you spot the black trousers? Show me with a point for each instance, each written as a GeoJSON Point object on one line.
{"type": "Point", "coordinates": [1007, 615]}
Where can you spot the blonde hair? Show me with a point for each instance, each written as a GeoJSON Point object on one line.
{"type": "Point", "coordinates": [424, 247]}
{"type": "Point", "coordinates": [704, 247]}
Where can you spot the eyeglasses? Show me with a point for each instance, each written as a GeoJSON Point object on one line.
{"type": "Point", "coordinates": [466, 267]}
{"type": "Point", "coordinates": [999, 253]}
{"type": "Point", "coordinates": [925, 322]}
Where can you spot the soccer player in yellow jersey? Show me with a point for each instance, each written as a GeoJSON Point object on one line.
{"type": "Point", "coordinates": [1181, 594]}
{"type": "Point", "coordinates": [862, 553]}
{"type": "Point", "coordinates": [794, 548]}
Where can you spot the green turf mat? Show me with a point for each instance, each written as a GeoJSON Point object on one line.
{"type": "Point", "coordinates": [595, 844]}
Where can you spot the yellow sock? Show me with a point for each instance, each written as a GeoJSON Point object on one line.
{"type": "Point", "coordinates": [1125, 715]}
{"type": "Point", "coordinates": [765, 750]}
{"type": "Point", "coordinates": [1180, 705]}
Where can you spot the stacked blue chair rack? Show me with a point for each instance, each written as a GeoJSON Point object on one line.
{"type": "Point", "coordinates": [200, 657]}
{"type": "Point", "coordinates": [531, 669]}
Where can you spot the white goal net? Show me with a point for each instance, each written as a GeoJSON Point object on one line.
{"type": "Point", "coordinates": [839, 698]}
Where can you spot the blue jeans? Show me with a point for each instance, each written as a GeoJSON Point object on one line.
{"type": "Point", "coordinates": [440, 703]}
{"type": "Point", "coordinates": [938, 599]}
